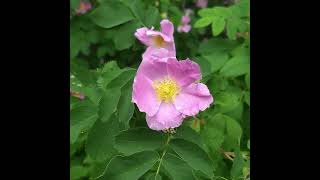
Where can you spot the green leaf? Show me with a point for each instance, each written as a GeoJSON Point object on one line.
{"type": "Point", "coordinates": [152, 17]}
{"type": "Point", "coordinates": [241, 9]}
{"type": "Point", "coordinates": [247, 80]}
{"type": "Point", "coordinates": [78, 172]}
{"type": "Point", "coordinates": [123, 78]}
{"type": "Point", "coordinates": [248, 144]}
{"type": "Point", "coordinates": [139, 139]}
{"type": "Point", "coordinates": [236, 66]}
{"type": "Point", "coordinates": [78, 41]}
{"type": "Point", "coordinates": [205, 66]}
{"type": "Point", "coordinates": [82, 73]}
{"type": "Point", "coordinates": [82, 116]}
{"type": "Point", "coordinates": [110, 14]}
{"type": "Point", "coordinates": [238, 163]}
{"type": "Point", "coordinates": [232, 28]}
{"type": "Point", "coordinates": [125, 105]}
{"type": "Point", "coordinates": [218, 24]}
{"type": "Point", "coordinates": [74, 4]}
{"type": "Point", "coordinates": [192, 154]}
{"type": "Point", "coordinates": [217, 84]}
{"type": "Point", "coordinates": [101, 51]}
{"type": "Point", "coordinates": [100, 143]}
{"type": "Point", "coordinates": [96, 167]}
{"type": "Point", "coordinates": [213, 136]}
{"type": "Point", "coordinates": [109, 72]}
{"type": "Point", "coordinates": [108, 103]}
{"type": "Point", "coordinates": [216, 45]}
{"type": "Point", "coordinates": [177, 168]}
{"type": "Point", "coordinates": [123, 35]}
{"type": "Point", "coordinates": [229, 127]}
{"type": "Point", "coordinates": [237, 112]}
{"type": "Point", "coordinates": [152, 176]}
{"type": "Point", "coordinates": [93, 93]}
{"type": "Point", "coordinates": [226, 101]}
{"type": "Point", "coordinates": [189, 134]}
{"type": "Point", "coordinates": [130, 167]}
{"type": "Point", "coordinates": [216, 60]}
{"type": "Point", "coordinates": [203, 22]}
{"type": "Point", "coordinates": [137, 8]}
{"type": "Point", "coordinates": [214, 12]}
{"type": "Point", "coordinates": [206, 12]}
{"type": "Point", "coordinates": [247, 97]}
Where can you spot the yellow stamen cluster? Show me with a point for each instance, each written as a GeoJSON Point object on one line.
{"type": "Point", "coordinates": [158, 41]}
{"type": "Point", "coordinates": [166, 89]}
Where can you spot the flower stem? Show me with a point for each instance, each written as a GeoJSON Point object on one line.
{"type": "Point", "coordinates": [163, 153]}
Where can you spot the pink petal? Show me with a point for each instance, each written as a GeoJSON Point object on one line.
{"type": "Point", "coordinates": [157, 33]}
{"type": "Point", "coordinates": [153, 53]}
{"type": "Point", "coordinates": [179, 29]}
{"type": "Point", "coordinates": [153, 68]}
{"type": "Point", "coordinates": [144, 95]}
{"type": "Point", "coordinates": [88, 6]}
{"type": "Point", "coordinates": [184, 72]}
{"type": "Point", "coordinates": [167, 28]}
{"type": "Point", "coordinates": [167, 117]}
{"type": "Point", "coordinates": [185, 19]}
{"type": "Point", "coordinates": [186, 28]}
{"type": "Point", "coordinates": [202, 3]}
{"type": "Point", "coordinates": [141, 34]}
{"type": "Point", "coordinates": [193, 99]}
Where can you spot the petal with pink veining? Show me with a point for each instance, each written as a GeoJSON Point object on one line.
{"type": "Point", "coordinates": [144, 95]}
{"type": "Point", "coordinates": [167, 117]}
{"type": "Point", "coordinates": [167, 28]}
{"type": "Point", "coordinates": [153, 69]}
{"type": "Point", "coordinates": [141, 34]}
{"type": "Point", "coordinates": [193, 99]}
{"type": "Point", "coordinates": [184, 72]}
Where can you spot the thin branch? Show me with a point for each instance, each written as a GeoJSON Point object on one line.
{"type": "Point", "coordinates": [163, 153]}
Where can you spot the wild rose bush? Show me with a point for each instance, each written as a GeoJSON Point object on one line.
{"type": "Point", "coordinates": [159, 89]}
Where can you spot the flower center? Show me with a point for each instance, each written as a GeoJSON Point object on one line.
{"type": "Point", "coordinates": [166, 89]}
{"type": "Point", "coordinates": [158, 41]}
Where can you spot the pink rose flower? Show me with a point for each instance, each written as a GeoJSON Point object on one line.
{"type": "Point", "coordinates": [167, 91]}
{"type": "Point", "coordinates": [83, 7]}
{"type": "Point", "coordinates": [202, 3]}
{"type": "Point", "coordinates": [157, 42]}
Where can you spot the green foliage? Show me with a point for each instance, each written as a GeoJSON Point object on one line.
{"type": "Point", "coordinates": [109, 137]}
{"type": "Point", "coordinates": [129, 167]}
{"type": "Point", "coordinates": [192, 154]}
{"type": "Point", "coordinates": [177, 168]}
{"type": "Point", "coordinates": [234, 19]}
{"type": "Point", "coordinates": [100, 140]}
{"type": "Point", "coordinates": [117, 13]}
{"type": "Point", "coordinates": [134, 140]}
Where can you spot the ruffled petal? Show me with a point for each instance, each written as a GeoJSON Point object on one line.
{"type": "Point", "coordinates": [141, 34]}
{"type": "Point", "coordinates": [157, 33]}
{"type": "Point", "coordinates": [153, 68]}
{"type": "Point", "coordinates": [193, 99]}
{"type": "Point", "coordinates": [184, 72]}
{"type": "Point", "coordinates": [152, 53]}
{"type": "Point", "coordinates": [167, 117]}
